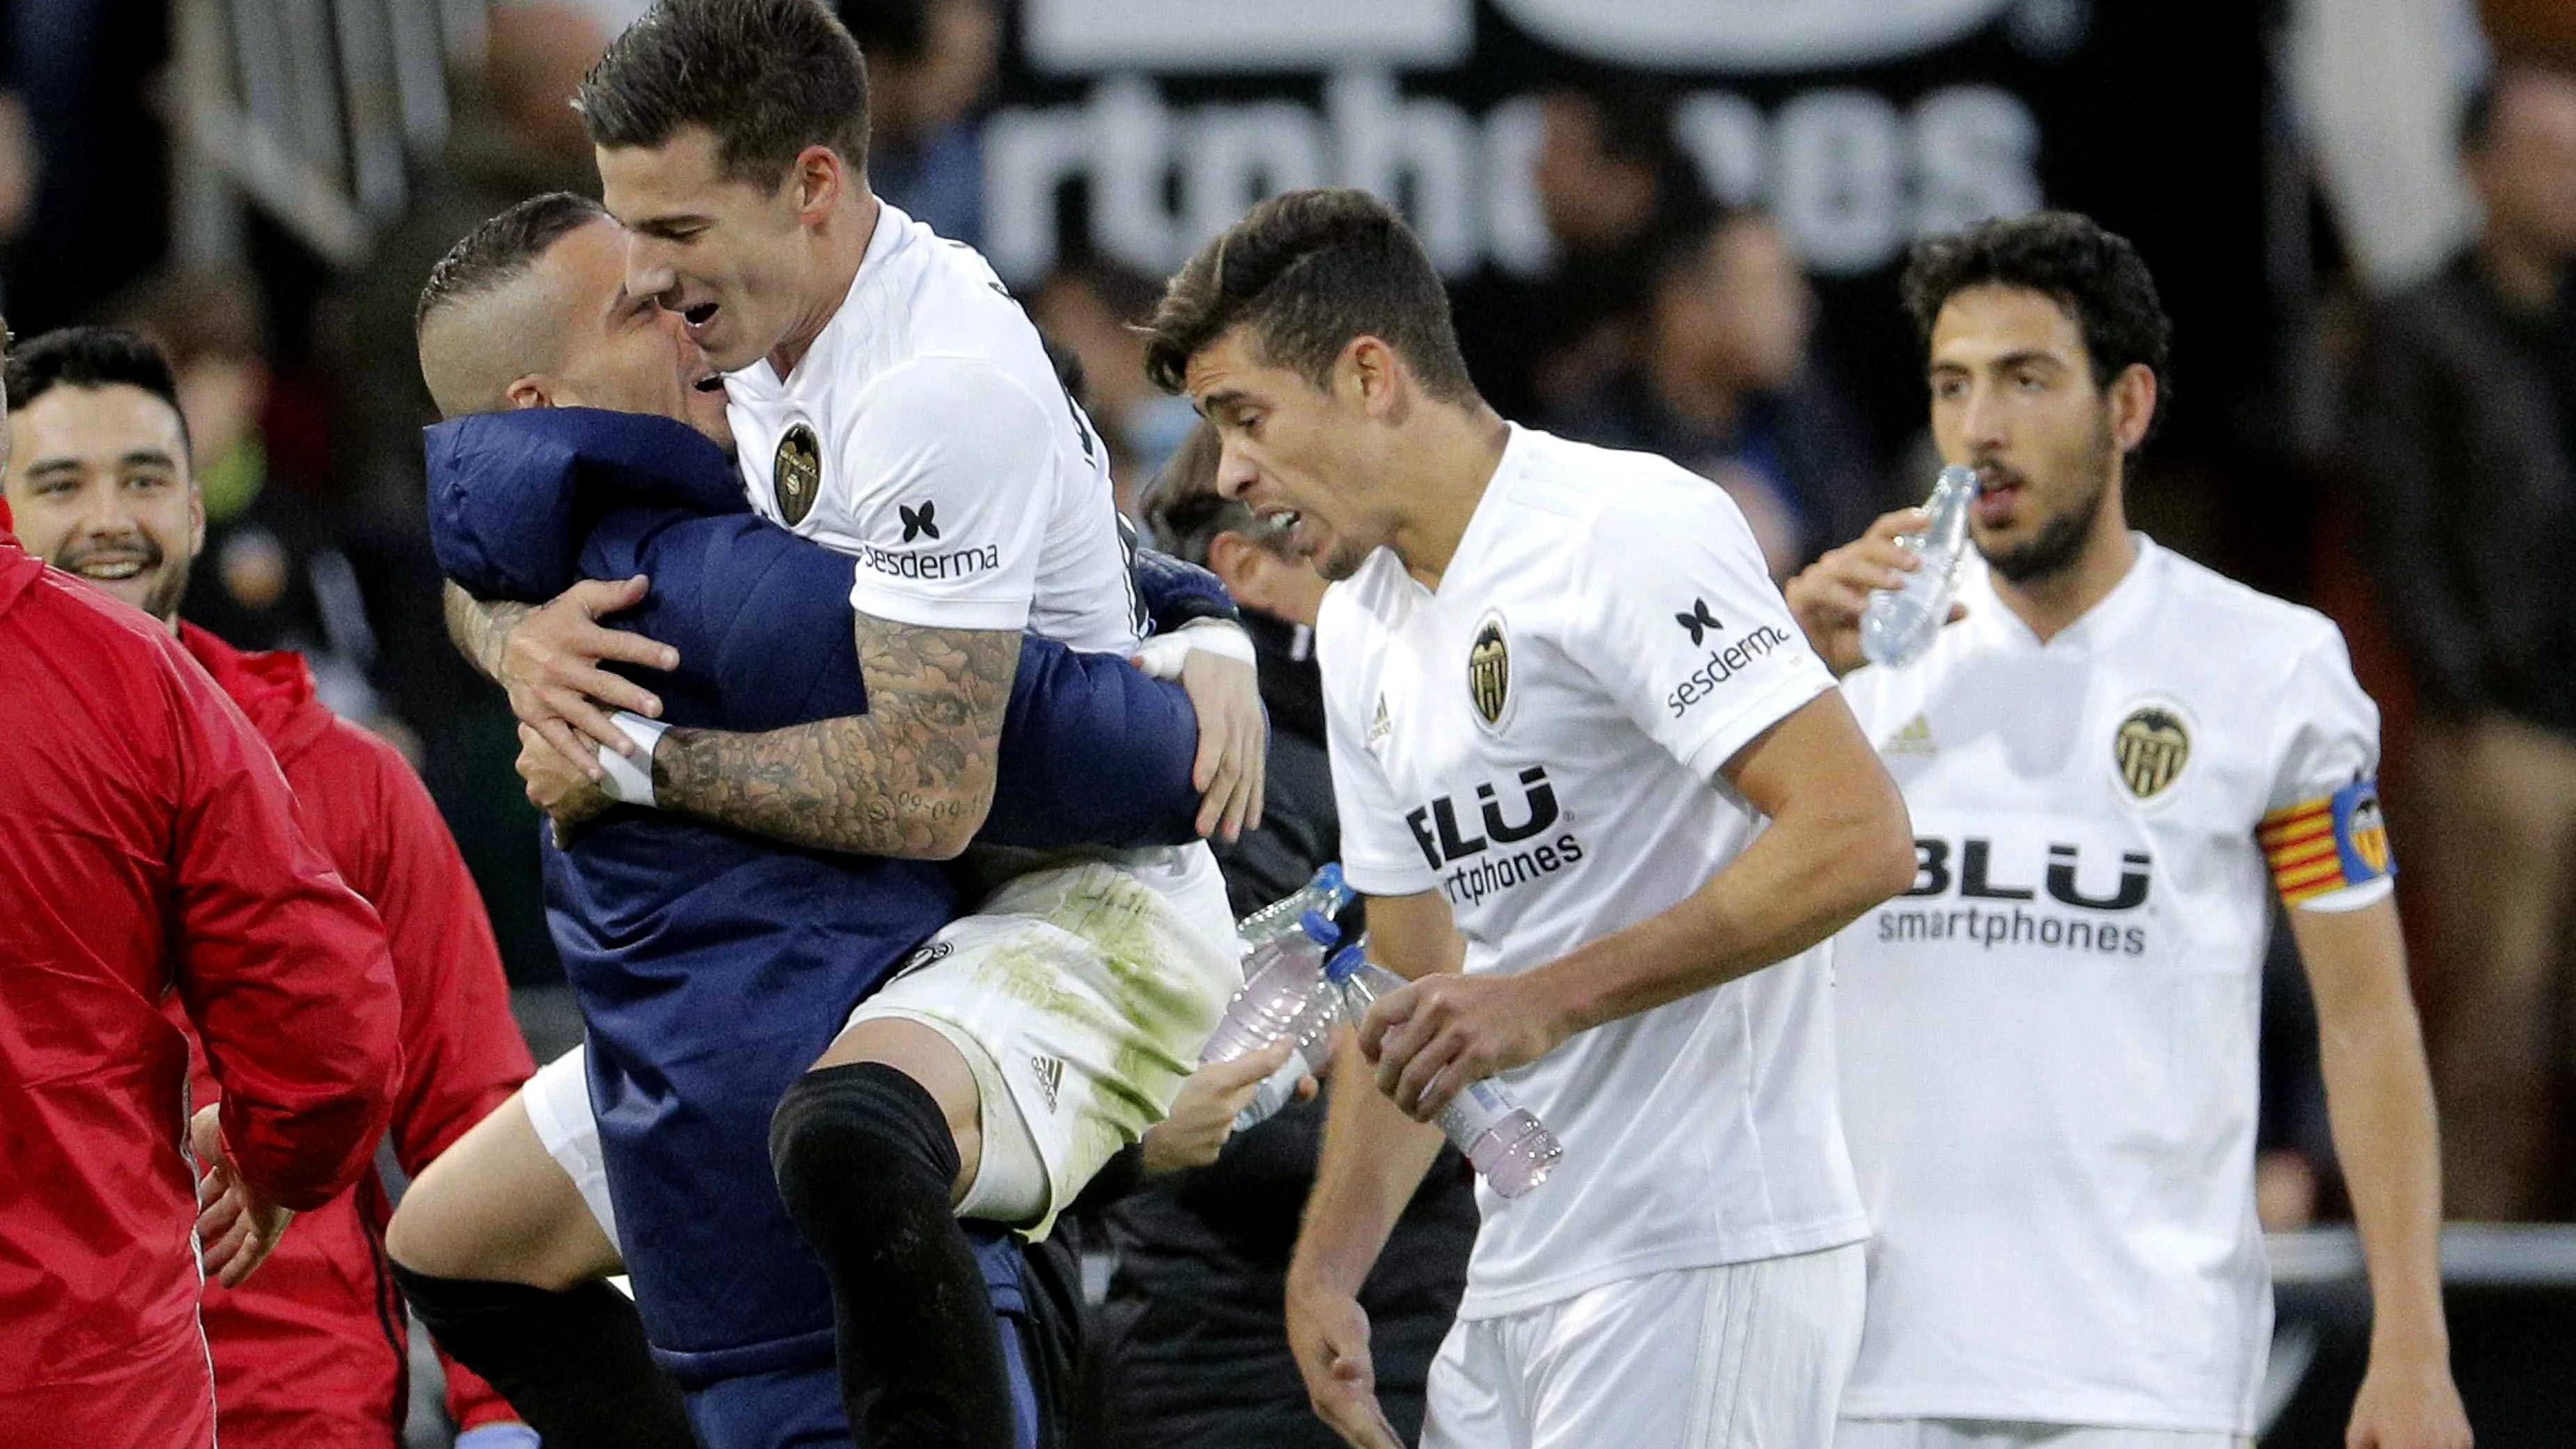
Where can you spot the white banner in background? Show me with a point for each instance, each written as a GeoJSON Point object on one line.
{"type": "Point", "coordinates": [1082, 36]}
{"type": "Point", "coordinates": [1749, 34]}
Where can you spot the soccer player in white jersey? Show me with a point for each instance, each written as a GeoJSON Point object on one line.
{"type": "Point", "coordinates": [1582, 753]}
{"type": "Point", "coordinates": [890, 400]}
{"type": "Point", "coordinates": [2048, 1043]}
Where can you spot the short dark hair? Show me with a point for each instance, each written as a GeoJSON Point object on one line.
{"type": "Point", "coordinates": [501, 249]}
{"type": "Point", "coordinates": [2096, 275]}
{"type": "Point", "coordinates": [767, 78]}
{"type": "Point", "coordinates": [92, 357]}
{"type": "Point", "coordinates": [1307, 272]}
{"type": "Point", "coordinates": [1184, 509]}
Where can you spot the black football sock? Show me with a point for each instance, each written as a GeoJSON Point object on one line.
{"type": "Point", "coordinates": [865, 1161]}
{"type": "Point", "coordinates": [573, 1364]}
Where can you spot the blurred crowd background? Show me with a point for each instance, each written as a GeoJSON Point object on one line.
{"type": "Point", "coordinates": [1669, 226]}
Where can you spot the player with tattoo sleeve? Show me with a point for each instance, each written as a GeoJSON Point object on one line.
{"type": "Point", "coordinates": [891, 402]}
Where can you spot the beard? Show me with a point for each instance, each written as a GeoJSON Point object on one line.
{"type": "Point", "coordinates": [1341, 561]}
{"type": "Point", "coordinates": [2062, 539]}
{"type": "Point", "coordinates": [169, 580]}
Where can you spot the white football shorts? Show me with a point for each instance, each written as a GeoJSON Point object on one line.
{"type": "Point", "coordinates": [558, 1102]}
{"type": "Point", "coordinates": [1740, 1356]}
{"type": "Point", "coordinates": [1996, 1434]}
{"type": "Point", "coordinates": [1080, 996]}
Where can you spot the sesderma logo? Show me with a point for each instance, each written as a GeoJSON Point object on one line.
{"type": "Point", "coordinates": [1699, 621]}
{"type": "Point", "coordinates": [1722, 664]}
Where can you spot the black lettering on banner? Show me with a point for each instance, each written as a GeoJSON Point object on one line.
{"type": "Point", "coordinates": [1931, 867]}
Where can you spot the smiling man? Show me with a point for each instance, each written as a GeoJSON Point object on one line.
{"type": "Point", "coordinates": [2049, 1041]}
{"type": "Point", "coordinates": [1580, 752]}
{"type": "Point", "coordinates": [103, 488]}
{"type": "Point", "coordinates": [160, 893]}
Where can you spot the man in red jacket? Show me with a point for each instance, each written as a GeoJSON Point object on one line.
{"type": "Point", "coordinates": [148, 847]}
{"type": "Point", "coordinates": [312, 1355]}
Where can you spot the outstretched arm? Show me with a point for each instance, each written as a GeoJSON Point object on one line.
{"type": "Point", "coordinates": [911, 778]}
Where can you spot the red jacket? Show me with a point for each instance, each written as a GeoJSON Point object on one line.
{"type": "Point", "coordinates": [310, 1353]}
{"type": "Point", "coordinates": [148, 844]}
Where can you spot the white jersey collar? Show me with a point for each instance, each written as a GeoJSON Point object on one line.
{"type": "Point", "coordinates": [1999, 625]}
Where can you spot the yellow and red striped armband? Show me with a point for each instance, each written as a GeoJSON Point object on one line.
{"type": "Point", "coordinates": [2326, 844]}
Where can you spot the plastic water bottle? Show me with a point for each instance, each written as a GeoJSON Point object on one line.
{"type": "Point", "coordinates": [1503, 1139]}
{"type": "Point", "coordinates": [1283, 996]}
{"type": "Point", "coordinates": [1899, 623]}
{"type": "Point", "coordinates": [1325, 894]}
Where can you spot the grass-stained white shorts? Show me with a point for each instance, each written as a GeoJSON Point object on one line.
{"type": "Point", "coordinates": [1080, 995]}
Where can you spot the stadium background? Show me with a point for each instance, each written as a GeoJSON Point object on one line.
{"type": "Point", "coordinates": [263, 183]}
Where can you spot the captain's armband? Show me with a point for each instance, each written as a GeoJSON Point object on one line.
{"type": "Point", "coordinates": [2334, 843]}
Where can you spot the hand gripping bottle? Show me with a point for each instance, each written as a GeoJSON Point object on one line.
{"type": "Point", "coordinates": [1281, 918]}
{"type": "Point", "coordinates": [1505, 1141]}
{"type": "Point", "coordinates": [1283, 995]}
{"type": "Point", "coordinates": [1899, 623]}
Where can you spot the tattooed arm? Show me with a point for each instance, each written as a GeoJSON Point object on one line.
{"type": "Point", "coordinates": [547, 657]}
{"type": "Point", "coordinates": [911, 778]}
{"type": "Point", "coordinates": [480, 628]}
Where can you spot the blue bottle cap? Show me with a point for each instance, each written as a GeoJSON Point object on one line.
{"type": "Point", "coordinates": [1319, 928]}
{"type": "Point", "coordinates": [1329, 881]}
{"type": "Point", "coordinates": [1345, 964]}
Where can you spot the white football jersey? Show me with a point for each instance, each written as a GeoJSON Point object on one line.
{"type": "Point", "coordinates": [1540, 741]}
{"type": "Point", "coordinates": [926, 436]}
{"type": "Point", "coordinates": [2048, 1046]}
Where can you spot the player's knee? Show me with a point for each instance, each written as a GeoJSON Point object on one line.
{"type": "Point", "coordinates": [848, 1136]}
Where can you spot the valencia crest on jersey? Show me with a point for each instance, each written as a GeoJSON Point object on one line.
{"type": "Point", "coordinates": [796, 474]}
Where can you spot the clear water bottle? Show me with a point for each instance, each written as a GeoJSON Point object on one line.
{"type": "Point", "coordinates": [1283, 996]}
{"type": "Point", "coordinates": [1325, 894]}
{"type": "Point", "coordinates": [1503, 1139]}
{"type": "Point", "coordinates": [1900, 623]}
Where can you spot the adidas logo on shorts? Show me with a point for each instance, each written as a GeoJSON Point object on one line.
{"type": "Point", "coordinates": [1050, 1075]}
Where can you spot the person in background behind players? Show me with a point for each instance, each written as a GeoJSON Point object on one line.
{"type": "Point", "coordinates": [1725, 384]}
{"type": "Point", "coordinates": [930, 64]}
{"type": "Point", "coordinates": [2049, 1041]}
{"type": "Point", "coordinates": [149, 849]}
{"type": "Point", "coordinates": [102, 486]}
{"type": "Point", "coordinates": [2463, 431]}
